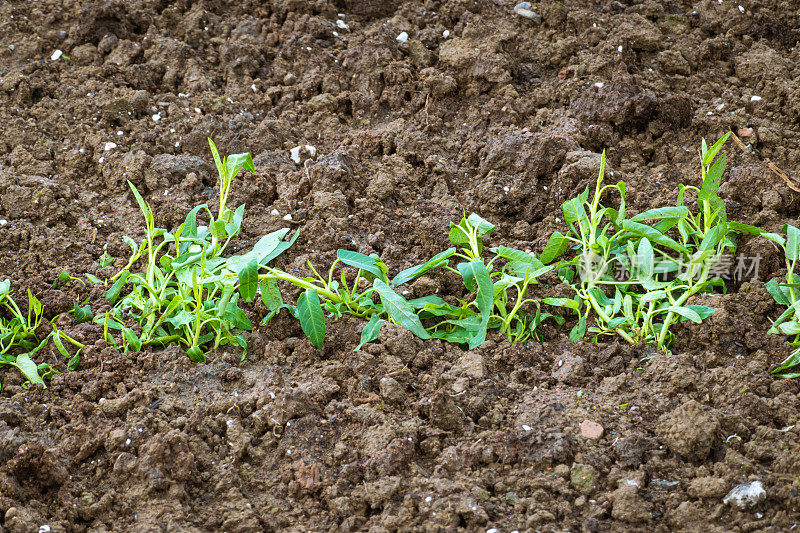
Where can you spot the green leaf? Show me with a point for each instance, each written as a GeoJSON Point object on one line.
{"type": "Point", "coordinates": [792, 361]}
{"type": "Point", "coordinates": [82, 314]}
{"type": "Point", "coordinates": [183, 318]}
{"type": "Point", "coordinates": [483, 226]}
{"type": "Point", "coordinates": [370, 331]}
{"type": "Point", "coordinates": [312, 319]}
{"type": "Point", "coordinates": [555, 248]}
{"type": "Point", "coordinates": [248, 280]}
{"type": "Point", "coordinates": [132, 339]}
{"type": "Point", "coordinates": [661, 213]}
{"type": "Point", "coordinates": [643, 230]}
{"type": "Point", "coordinates": [366, 263]}
{"type": "Point", "coordinates": [575, 212]}
{"type": "Point", "coordinates": [792, 242]}
{"type": "Point", "coordinates": [478, 274]}
{"type": "Point", "coordinates": [270, 294]}
{"type": "Point", "coordinates": [702, 311]}
{"type": "Point", "coordinates": [563, 302]}
{"type": "Point", "coordinates": [779, 293]}
{"type": "Point", "coordinates": [399, 310]}
{"type": "Point", "coordinates": [267, 248]}
{"type": "Point", "coordinates": [217, 161]}
{"type": "Point", "coordinates": [237, 162]}
{"type": "Point", "coordinates": [28, 368]}
{"type": "Point", "coordinates": [146, 211]}
{"type": "Point", "coordinates": [685, 312]}
{"type": "Point", "coordinates": [710, 154]}
{"type": "Point", "coordinates": [412, 273]}
{"type": "Point", "coordinates": [92, 278]}
{"type": "Point", "coordinates": [112, 294]}
{"type": "Point", "coordinates": [579, 330]}
{"type": "Point", "coordinates": [645, 259]}
{"type": "Point", "coordinates": [753, 230]}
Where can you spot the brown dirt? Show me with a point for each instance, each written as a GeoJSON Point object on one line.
{"type": "Point", "coordinates": [504, 116]}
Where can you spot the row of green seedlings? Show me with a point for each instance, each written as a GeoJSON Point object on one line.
{"type": "Point", "coordinates": [179, 288]}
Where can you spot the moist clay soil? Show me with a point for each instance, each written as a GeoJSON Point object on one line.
{"type": "Point", "coordinates": [479, 109]}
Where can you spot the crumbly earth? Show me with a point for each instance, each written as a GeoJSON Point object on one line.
{"type": "Point", "coordinates": [480, 109]}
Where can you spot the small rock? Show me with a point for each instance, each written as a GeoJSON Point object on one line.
{"type": "Point", "coordinates": [391, 390]}
{"type": "Point", "coordinates": [591, 430]}
{"type": "Point", "coordinates": [583, 478]}
{"type": "Point", "coordinates": [746, 495]}
{"type": "Point", "coordinates": [745, 133]}
{"type": "Point", "coordinates": [56, 55]}
{"type": "Point", "coordinates": [11, 513]}
{"type": "Point", "coordinates": [755, 98]}
{"type": "Point", "coordinates": [342, 25]}
{"type": "Point", "coordinates": [664, 484]}
{"type": "Point", "coordinates": [523, 9]}
{"type": "Point", "coordinates": [109, 146]}
{"type": "Point", "coordinates": [403, 37]}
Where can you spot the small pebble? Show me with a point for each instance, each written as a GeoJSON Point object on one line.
{"type": "Point", "coordinates": [446, 34]}
{"type": "Point", "coordinates": [55, 57]}
{"type": "Point", "coordinates": [156, 117]}
{"type": "Point", "coordinates": [526, 427]}
{"type": "Point", "coordinates": [591, 430]}
{"type": "Point", "coordinates": [295, 154]}
{"type": "Point", "coordinates": [599, 85]}
{"type": "Point", "coordinates": [109, 146]}
{"type": "Point", "coordinates": [745, 133]}
{"type": "Point", "coordinates": [342, 25]}
{"type": "Point", "coordinates": [403, 37]}
{"type": "Point", "coordinates": [741, 9]}
{"type": "Point", "coordinates": [287, 216]}
{"type": "Point", "coordinates": [523, 9]}
{"type": "Point", "coordinates": [746, 495]}
{"type": "Point", "coordinates": [3, 222]}
{"type": "Point", "coordinates": [755, 98]}
{"type": "Point", "coordinates": [275, 212]}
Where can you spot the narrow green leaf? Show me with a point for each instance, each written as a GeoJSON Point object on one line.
{"type": "Point", "coordinates": [112, 294]}
{"type": "Point", "coordinates": [579, 330]}
{"type": "Point", "coordinates": [270, 294]}
{"type": "Point", "coordinates": [643, 230]}
{"type": "Point", "coordinates": [685, 312]}
{"type": "Point", "coordinates": [412, 273]}
{"type": "Point", "coordinates": [133, 340]}
{"type": "Point", "coordinates": [248, 280]}
{"type": "Point", "coordinates": [661, 213]}
{"type": "Point", "coordinates": [399, 310]}
{"type": "Point", "coordinates": [792, 242]}
{"type": "Point", "coordinates": [371, 331]}
{"type": "Point", "coordinates": [312, 318]}
{"type": "Point", "coordinates": [28, 369]}
{"type": "Point", "coordinates": [363, 262]}
{"type": "Point", "coordinates": [779, 293]}
{"type": "Point", "coordinates": [555, 248]}
{"type": "Point", "coordinates": [82, 314]}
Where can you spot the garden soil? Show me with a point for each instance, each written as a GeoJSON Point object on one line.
{"type": "Point", "coordinates": [407, 114]}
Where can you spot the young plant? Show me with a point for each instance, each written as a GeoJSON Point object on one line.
{"type": "Point", "coordinates": [787, 293]}
{"type": "Point", "coordinates": [636, 275]}
{"type": "Point", "coordinates": [500, 294]}
{"type": "Point", "coordinates": [186, 292]}
{"type": "Point", "coordinates": [19, 342]}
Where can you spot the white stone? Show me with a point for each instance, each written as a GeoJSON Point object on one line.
{"type": "Point", "coordinates": [342, 25]}
{"type": "Point", "coordinates": [755, 98]}
{"type": "Point", "coordinates": [403, 37]}
{"type": "Point", "coordinates": [275, 212]}
{"type": "Point", "coordinates": [295, 154]}
{"type": "Point", "coordinates": [446, 34]}
{"type": "Point", "coordinates": [746, 495]}
{"type": "Point", "coordinates": [55, 57]}
{"type": "Point", "coordinates": [312, 150]}
{"type": "Point", "coordinates": [109, 146]}
{"type": "Point", "coordinates": [287, 216]}
{"type": "Point", "coordinates": [156, 117]}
